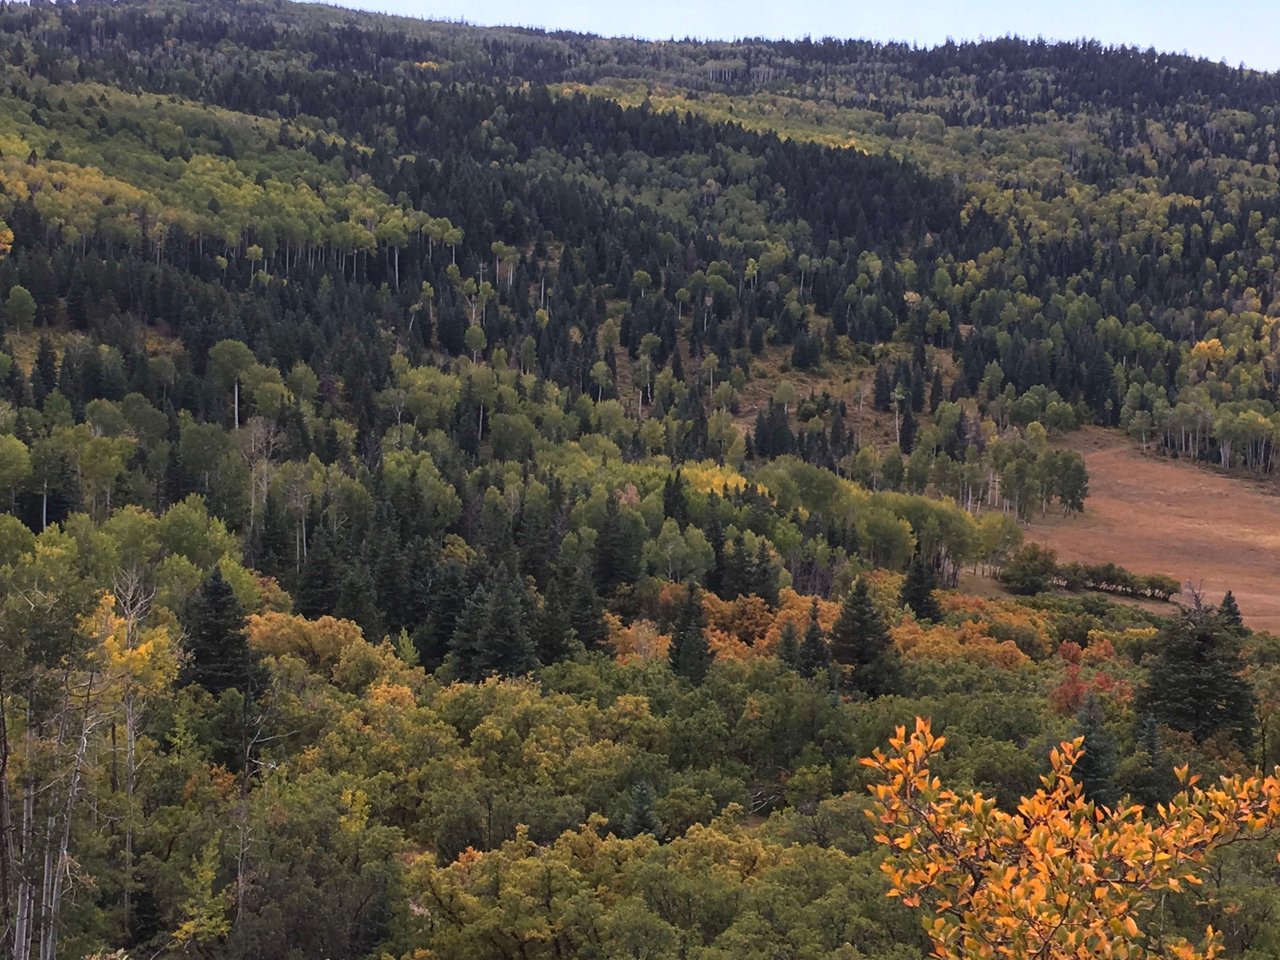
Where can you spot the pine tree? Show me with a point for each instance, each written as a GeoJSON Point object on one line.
{"type": "Point", "coordinates": [1097, 766]}
{"type": "Point", "coordinates": [617, 555]}
{"type": "Point", "coordinates": [552, 631]}
{"type": "Point", "coordinates": [882, 396]}
{"type": "Point", "coordinates": [814, 654]}
{"type": "Point", "coordinates": [174, 484]}
{"type": "Point", "coordinates": [789, 646]}
{"type": "Point", "coordinates": [1229, 613]}
{"type": "Point", "coordinates": [675, 502]}
{"type": "Point", "coordinates": [317, 584]}
{"type": "Point", "coordinates": [503, 645]}
{"type": "Point", "coordinates": [935, 390]}
{"type": "Point", "coordinates": [641, 817]}
{"type": "Point", "coordinates": [735, 578]}
{"type": "Point", "coordinates": [46, 364]}
{"type": "Point", "coordinates": [917, 591]}
{"type": "Point", "coordinates": [450, 596]}
{"type": "Point", "coordinates": [492, 635]}
{"type": "Point", "coordinates": [405, 649]}
{"type": "Point", "coordinates": [907, 431]}
{"type": "Point", "coordinates": [219, 654]}
{"type": "Point", "coordinates": [763, 575]}
{"type": "Point", "coordinates": [356, 600]}
{"type": "Point", "coordinates": [1147, 776]}
{"type": "Point", "coordinates": [690, 655]}
{"type": "Point", "coordinates": [1194, 680]}
{"type": "Point", "coordinates": [861, 645]}
{"type": "Point", "coordinates": [586, 610]}
{"type": "Point", "coordinates": [466, 630]}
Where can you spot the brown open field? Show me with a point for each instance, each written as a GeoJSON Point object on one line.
{"type": "Point", "coordinates": [1162, 516]}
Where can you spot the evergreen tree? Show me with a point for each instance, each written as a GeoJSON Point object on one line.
{"type": "Point", "coordinates": [1147, 776]}
{"type": "Point", "coordinates": [907, 431]}
{"type": "Point", "coordinates": [917, 591]}
{"type": "Point", "coordinates": [764, 576]}
{"type": "Point", "coordinates": [1229, 614]}
{"type": "Point", "coordinates": [882, 397]}
{"type": "Point", "coordinates": [553, 634]}
{"type": "Point", "coordinates": [936, 392]}
{"type": "Point", "coordinates": [318, 581]}
{"type": "Point", "coordinates": [789, 646]}
{"type": "Point", "coordinates": [814, 655]}
{"type": "Point", "coordinates": [1194, 681]}
{"type": "Point", "coordinates": [46, 364]}
{"type": "Point", "coordinates": [450, 597]}
{"type": "Point", "coordinates": [1097, 766]}
{"type": "Point", "coordinates": [492, 635]}
{"type": "Point", "coordinates": [735, 578]}
{"type": "Point", "coordinates": [861, 645]}
{"type": "Point", "coordinates": [585, 609]}
{"type": "Point", "coordinates": [617, 554]}
{"type": "Point", "coordinates": [690, 655]}
{"type": "Point", "coordinates": [675, 502]}
{"type": "Point", "coordinates": [219, 655]}
{"type": "Point", "coordinates": [357, 599]}
{"type": "Point", "coordinates": [641, 817]}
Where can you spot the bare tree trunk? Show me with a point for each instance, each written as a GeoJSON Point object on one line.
{"type": "Point", "coordinates": [49, 930]}
{"type": "Point", "coordinates": [8, 857]}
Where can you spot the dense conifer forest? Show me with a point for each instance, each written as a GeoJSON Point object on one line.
{"type": "Point", "coordinates": [480, 493]}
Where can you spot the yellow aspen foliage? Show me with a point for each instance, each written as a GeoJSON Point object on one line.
{"type": "Point", "coordinates": [1059, 878]}
{"type": "Point", "coordinates": [707, 477]}
{"type": "Point", "coordinates": [794, 608]}
{"type": "Point", "coordinates": [319, 642]}
{"type": "Point", "coordinates": [971, 641]}
{"type": "Point", "coordinates": [144, 662]}
{"type": "Point", "coordinates": [638, 641]}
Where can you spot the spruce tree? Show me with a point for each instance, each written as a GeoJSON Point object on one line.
{"type": "Point", "coordinates": [492, 635]}
{"type": "Point", "coordinates": [617, 555]}
{"type": "Point", "coordinates": [907, 431]}
{"type": "Point", "coordinates": [690, 655]}
{"type": "Point", "coordinates": [586, 610]}
{"type": "Point", "coordinates": [1147, 776]}
{"type": "Point", "coordinates": [789, 646]}
{"type": "Point", "coordinates": [1097, 766]}
{"type": "Point", "coordinates": [917, 591]}
{"type": "Point", "coordinates": [882, 395]}
{"type": "Point", "coordinates": [219, 655]}
{"type": "Point", "coordinates": [318, 581]}
{"type": "Point", "coordinates": [1194, 680]}
{"type": "Point", "coordinates": [641, 818]}
{"type": "Point", "coordinates": [466, 631]}
{"type": "Point", "coordinates": [861, 645]}
{"type": "Point", "coordinates": [503, 646]}
{"type": "Point", "coordinates": [675, 503]}
{"type": "Point", "coordinates": [735, 578]}
{"type": "Point", "coordinates": [1229, 613]}
{"type": "Point", "coordinates": [763, 576]}
{"type": "Point", "coordinates": [356, 600]}
{"type": "Point", "coordinates": [814, 654]}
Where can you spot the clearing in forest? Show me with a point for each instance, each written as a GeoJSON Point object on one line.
{"type": "Point", "coordinates": [1154, 515]}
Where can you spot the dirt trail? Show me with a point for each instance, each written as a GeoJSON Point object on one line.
{"type": "Point", "coordinates": [1153, 515]}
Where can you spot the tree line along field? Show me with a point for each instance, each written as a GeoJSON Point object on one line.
{"type": "Point", "coordinates": [482, 494]}
{"type": "Point", "coordinates": [1189, 521]}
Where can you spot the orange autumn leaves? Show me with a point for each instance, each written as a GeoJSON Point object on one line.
{"type": "Point", "coordinates": [1058, 878]}
{"type": "Point", "coordinates": [991, 633]}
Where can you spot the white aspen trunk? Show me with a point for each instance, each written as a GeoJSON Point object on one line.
{"type": "Point", "coordinates": [49, 931]}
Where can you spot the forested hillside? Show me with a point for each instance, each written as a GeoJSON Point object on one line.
{"type": "Point", "coordinates": [479, 493]}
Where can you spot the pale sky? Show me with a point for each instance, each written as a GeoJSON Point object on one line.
{"type": "Point", "coordinates": [1237, 31]}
